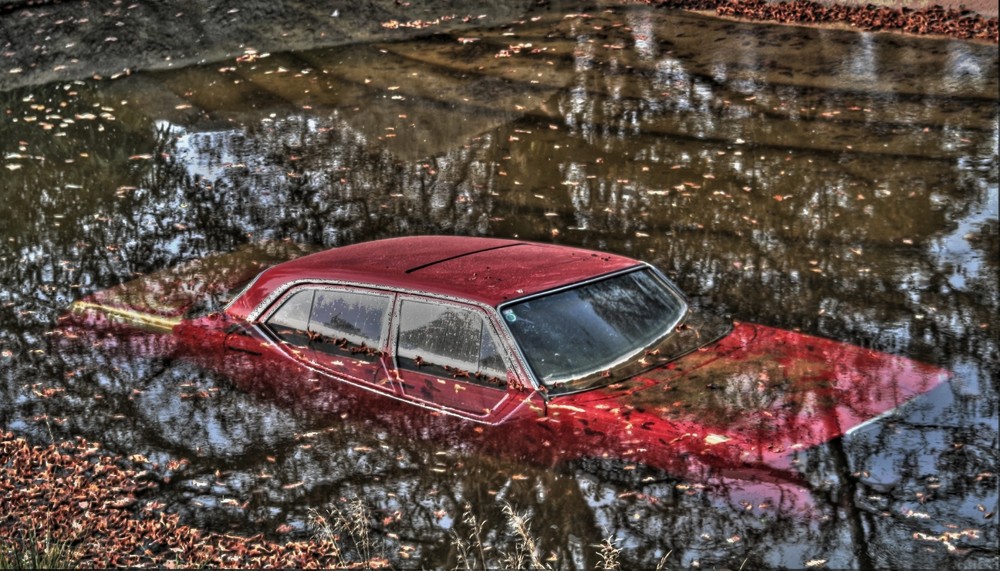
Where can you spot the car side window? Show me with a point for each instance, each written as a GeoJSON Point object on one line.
{"type": "Point", "coordinates": [348, 323]}
{"type": "Point", "coordinates": [448, 340]}
{"type": "Point", "coordinates": [291, 321]}
{"type": "Point", "coordinates": [336, 322]}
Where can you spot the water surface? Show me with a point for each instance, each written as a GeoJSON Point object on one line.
{"type": "Point", "coordinates": [843, 184]}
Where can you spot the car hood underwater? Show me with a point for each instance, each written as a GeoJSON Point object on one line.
{"type": "Point", "coordinates": [752, 399]}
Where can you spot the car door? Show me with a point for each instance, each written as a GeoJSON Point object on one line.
{"type": "Point", "coordinates": [348, 332]}
{"type": "Point", "coordinates": [447, 355]}
{"type": "Point", "coordinates": [340, 330]}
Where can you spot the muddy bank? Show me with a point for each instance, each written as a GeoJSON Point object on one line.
{"type": "Point", "coordinates": [953, 21]}
{"type": "Point", "coordinates": [43, 41]}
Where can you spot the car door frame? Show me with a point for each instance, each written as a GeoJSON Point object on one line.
{"type": "Point", "coordinates": [518, 389]}
{"type": "Point", "coordinates": [382, 381]}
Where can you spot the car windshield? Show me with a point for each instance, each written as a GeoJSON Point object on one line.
{"type": "Point", "coordinates": [575, 333]}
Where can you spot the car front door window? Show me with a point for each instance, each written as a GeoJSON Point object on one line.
{"type": "Point", "coordinates": [447, 355]}
{"type": "Point", "coordinates": [449, 341]}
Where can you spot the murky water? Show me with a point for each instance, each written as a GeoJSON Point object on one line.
{"type": "Point", "coordinates": [839, 183]}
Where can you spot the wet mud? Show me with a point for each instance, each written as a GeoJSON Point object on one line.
{"type": "Point", "coordinates": [47, 41]}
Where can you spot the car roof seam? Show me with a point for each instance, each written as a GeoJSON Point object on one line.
{"type": "Point", "coordinates": [462, 255]}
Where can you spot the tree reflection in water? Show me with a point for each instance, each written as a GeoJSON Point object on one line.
{"type": "Point", "coordinates": [849, 191]}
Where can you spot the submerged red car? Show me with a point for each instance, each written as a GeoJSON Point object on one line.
{"type": "Point", "coordinates": [563, 352]}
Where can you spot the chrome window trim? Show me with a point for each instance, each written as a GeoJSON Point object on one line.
{"type": "Point", "coordinates": [520, 368]}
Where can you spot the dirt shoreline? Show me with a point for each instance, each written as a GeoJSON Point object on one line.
{"type": "Point", "coordinates": [77, 498]}
{"type": "Point", "coordinates": [952, 20]}
{"type": "Point", "coordinates": [43, 41]}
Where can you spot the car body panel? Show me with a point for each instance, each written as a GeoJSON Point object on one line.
{"type": "Point", "coordinates": [742, 399]}
{"type": "Point", "coordinates": [757, 396]}
{"type": "Point", "coordinates": [484, 270]}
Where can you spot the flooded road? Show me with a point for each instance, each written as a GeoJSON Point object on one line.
{"type": "Point", "coordinates": [839, 183]}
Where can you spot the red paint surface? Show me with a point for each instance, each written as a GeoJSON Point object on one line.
{"type": "Point", "coordinates": [753, 399]}
{"type": "Point", "coordinates": [487, 270]}
{"type": "Point", "coordinates": [743, 405]}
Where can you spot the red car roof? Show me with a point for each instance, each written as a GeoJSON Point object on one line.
{"type": "Point", "coordinates": [486, 270]}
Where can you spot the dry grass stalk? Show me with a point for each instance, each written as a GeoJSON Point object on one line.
{"type": "Point", "coordinates": [34, 553]}
{"type": "Point", "coordinates": [526, 552]}
{"type": "Point", "coordinates": [608, 554]}
{"type": "Point", "coordinates": [352, 523]}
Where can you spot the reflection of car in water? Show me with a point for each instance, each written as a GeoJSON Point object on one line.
{"type": "Point", "coordinates": [539, 351]}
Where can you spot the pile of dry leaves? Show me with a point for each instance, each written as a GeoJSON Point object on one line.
{"type": "Point", "coordinates": [935, 20]}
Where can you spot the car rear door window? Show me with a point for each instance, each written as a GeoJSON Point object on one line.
{"type": "Point", "coordinates": [341, 330]}
{"type": "Point", "coordinates": [348, 323]}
